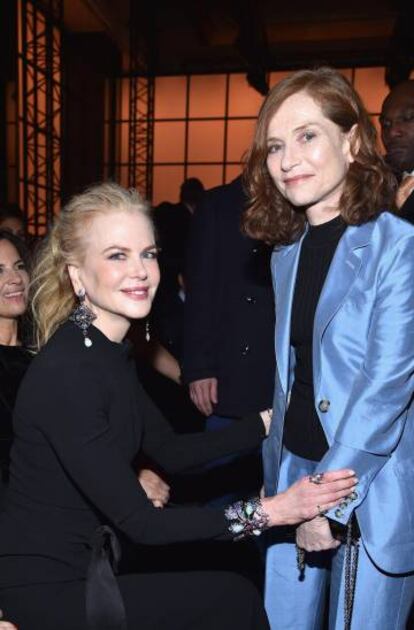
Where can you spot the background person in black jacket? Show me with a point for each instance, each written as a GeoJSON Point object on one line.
{"type": "Point", "coordinates": [228, 351]}
{"type": "Point", "coordinates": [14, 356]}
{"type": "Point", "coordinates": [173, 223]}
{"type": "Point", "coordinates": [397, 126]}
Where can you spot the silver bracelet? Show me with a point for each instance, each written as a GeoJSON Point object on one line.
{"type": "Point", "coordinates": [246, 518]}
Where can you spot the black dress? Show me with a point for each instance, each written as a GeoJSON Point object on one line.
{"type": "Point", "coordinates": [80, 418]}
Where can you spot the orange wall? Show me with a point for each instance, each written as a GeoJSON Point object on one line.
{"type": "Point", "coordinates": [218, 130]}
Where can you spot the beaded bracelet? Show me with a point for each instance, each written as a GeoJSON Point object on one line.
{"type": "Point", "coordinates": [247, 518]}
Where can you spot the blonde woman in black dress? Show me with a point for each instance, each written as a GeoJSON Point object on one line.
{"type": "Point", "coordinates": [81, 417]}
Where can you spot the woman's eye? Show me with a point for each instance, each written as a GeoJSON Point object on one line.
{"type": "Point", "coordinates": [151, 254]}
{"type": "Point", "coordinates": [274, 148]}
{"type": "Point", "coordinates": [21, 266]}
{"type": "Point", "coordinates": [117, 256]}
{"type": "Point", "coordinates": [308, 136]}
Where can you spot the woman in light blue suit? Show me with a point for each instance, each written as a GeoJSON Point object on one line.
{"type": "Point", "coordinates": [343, 270]}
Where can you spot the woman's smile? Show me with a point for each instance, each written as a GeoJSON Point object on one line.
{"type": "Point", "coordinates": [308, 157]}
{"type": "Point", "coordinates": [137, 293]}
{"type": "Point", "coordinates": [119, 272]}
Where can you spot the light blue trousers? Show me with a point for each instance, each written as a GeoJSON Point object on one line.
{"type": "Point", "coordinates": [381, 602]}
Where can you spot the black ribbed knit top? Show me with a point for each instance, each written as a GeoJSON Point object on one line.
{"type": "Point", "coordinates": [303, 433]}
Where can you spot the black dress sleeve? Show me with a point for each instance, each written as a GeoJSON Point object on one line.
{"type": "Point", "coordinates": [74, 421]}
{"type": "Point", "coordinates": [177, 452]}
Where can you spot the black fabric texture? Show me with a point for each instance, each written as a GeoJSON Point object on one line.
{"type": "Point", "coordinates": [303, 432]}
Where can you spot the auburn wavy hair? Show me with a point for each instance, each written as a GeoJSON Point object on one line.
{"type": "Point", "coordinates": [369, 185]}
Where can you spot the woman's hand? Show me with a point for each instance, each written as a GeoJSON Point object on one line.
{"type": "Point", "coordinates": [316, 535]}
{"type": "Point", "coordinates": [266, 416]}
{"type": "Point", "coordinates": [155, 487]}
{"type": "Point", "coordinates": [6, 625]}
{"type": "Point", "coordinates": [203, 393]}
{"type": "Point", "coordinates": [305, 499]}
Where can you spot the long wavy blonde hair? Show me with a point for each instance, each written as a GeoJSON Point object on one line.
{"type": "Point", "coordinates": [53, 297]}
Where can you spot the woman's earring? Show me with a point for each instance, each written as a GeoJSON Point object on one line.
{"type": "Point", "coordinates": [83, 317]}
{"type": "Point", "coordinates": [147, 331]}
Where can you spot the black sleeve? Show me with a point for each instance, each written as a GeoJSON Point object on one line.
{"type": "Point", "coordinates": [199, 339]}
{"type": "Point", "coordinates": [178, 452]}
{"type": "Point", "coordinates": [74, 420]}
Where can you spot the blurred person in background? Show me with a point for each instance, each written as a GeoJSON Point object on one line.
{"type": "Point", "coordinates": [12, 219]}
{"type": "Point", "coordinates": [15, 341]}
{"type": "Point", "coordinates": [228, 358]}
{"type": "Point", "coordinates": [173, 223]}
{"type": "Point", "coordinates": [397, 127]}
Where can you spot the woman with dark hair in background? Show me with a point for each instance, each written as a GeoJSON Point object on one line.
{"type": "Point", "coordinates": [14, 336]}
{"type": "Point", "coordinates": [12, 219]}
{"type": "Point", "coordinates": [80, 419]}
{"type": "Point", "coordinates": [343, 272]}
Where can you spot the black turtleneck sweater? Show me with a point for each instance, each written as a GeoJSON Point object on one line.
{"type": "Point", "coordinates": [303, 433]}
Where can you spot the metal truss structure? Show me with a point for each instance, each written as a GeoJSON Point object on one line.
{"type": "Point", "coordinates": [40, 111]}
{"type": "Point", "coordinates": [141, 111]}
{"type": "Point", "coordinates": [140, 140]}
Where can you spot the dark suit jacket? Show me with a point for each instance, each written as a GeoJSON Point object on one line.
{"type": "Point", "coordinates": [229, 308]}
{"type": "Point", "coordinates": [172, 224]}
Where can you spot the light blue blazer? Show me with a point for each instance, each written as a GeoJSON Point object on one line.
{"type": "Point", "coordinates": [363, 363]}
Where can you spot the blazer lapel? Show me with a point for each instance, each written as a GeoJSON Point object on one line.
{"type": "Point", "coordinates": [284, 267]}
{"type": "Point", "coordinates": [342, 274]}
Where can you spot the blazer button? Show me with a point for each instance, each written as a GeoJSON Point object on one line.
{"type": "Point", "coordinates": [324, 405]}
{"type": "Point", "coordinates": [245, 349]}
{"type": "Point", "coordinates": [250, 299]}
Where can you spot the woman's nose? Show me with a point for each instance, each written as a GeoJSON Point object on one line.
{"type": "Point", "coordinates": [14, 277]}
{"type": "Point", "coordinates": [290, 158]}
{"type": "Point", "coordinates": [140, 269]}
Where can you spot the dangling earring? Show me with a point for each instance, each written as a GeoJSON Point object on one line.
{"type": "Point", "coordinates": [83, 317]}
{"type": "Point", "coordinates": [147, 331]}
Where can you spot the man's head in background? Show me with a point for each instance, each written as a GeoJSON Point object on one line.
{"type": "Point", "coordinates": [397, 126]}
{"type": "Point", "coordinates": [191, 192]}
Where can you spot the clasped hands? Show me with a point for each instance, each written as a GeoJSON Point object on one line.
{"type": "Point", "coordinates": [316, 535]}
{"type": "Point", "coordinates": [304, 502]}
